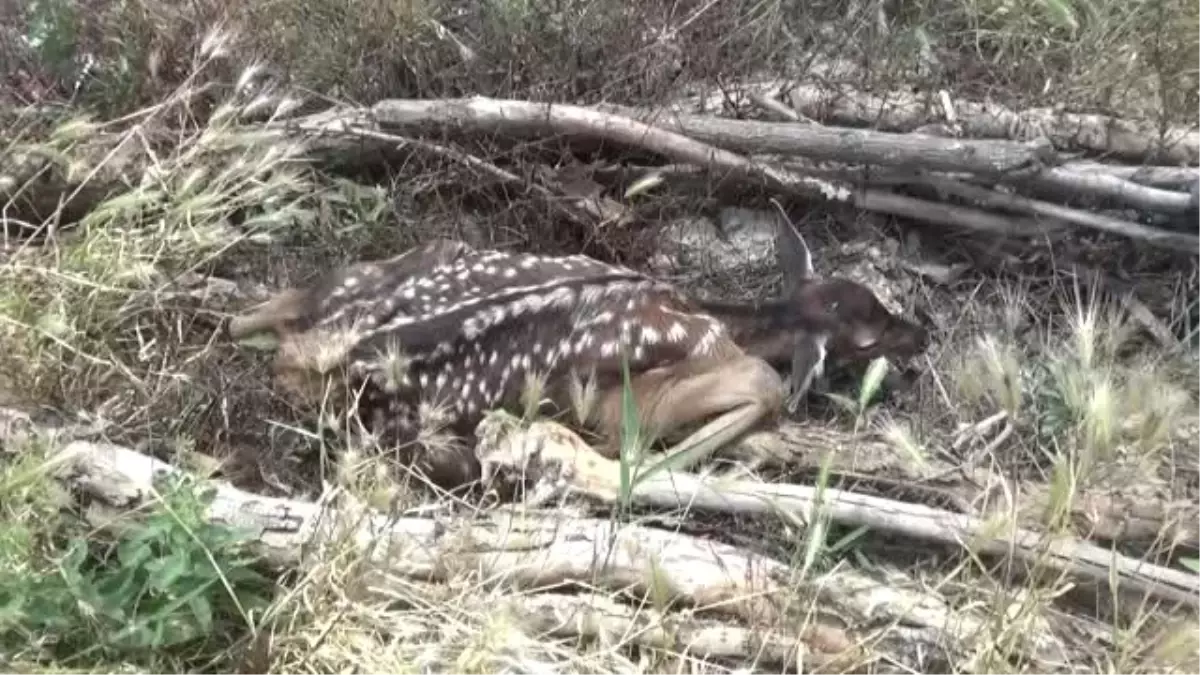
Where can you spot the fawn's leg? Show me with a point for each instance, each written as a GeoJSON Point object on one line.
{"type": "Point", "coordinates": [741, 393]}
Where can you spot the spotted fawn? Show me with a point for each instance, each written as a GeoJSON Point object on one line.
{"type": "Point", "coordinates": [449, 332]}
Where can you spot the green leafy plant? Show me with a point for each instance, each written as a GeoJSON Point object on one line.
{"type": "Point", "coordinates": [166, 585]}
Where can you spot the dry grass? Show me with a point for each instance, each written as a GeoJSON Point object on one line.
{"type": "Point", "coordinates": [115, 318]}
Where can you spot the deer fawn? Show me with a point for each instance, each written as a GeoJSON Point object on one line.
{"type": "Point", "coordinates": [447, 327]}
{"type": "Point", "coordinates": [865, 330]}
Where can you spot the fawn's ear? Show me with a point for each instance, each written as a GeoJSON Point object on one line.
{"type": "Point", "coordinates": [792, 255]}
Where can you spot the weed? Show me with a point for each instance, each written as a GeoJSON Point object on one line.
{"type": "Point", "coordinates": [173, 588]}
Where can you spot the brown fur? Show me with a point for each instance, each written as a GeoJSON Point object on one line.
{"type": "Point", "coordinates": [474, 324]}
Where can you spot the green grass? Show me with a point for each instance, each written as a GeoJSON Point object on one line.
{"type": "Point", "coordinates": [169, 592]}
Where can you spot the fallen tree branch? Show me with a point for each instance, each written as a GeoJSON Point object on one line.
{"type": "Point", "coordinates": [1063, 181]}
{"type": "Point", "coordinates": [1156, 176]}
{"type": "Point", "coordinates": [515, 549]}
{"type": "Point", "coordinates": [516, 119]}
{"type": "Point", "coordinates": [1113, 188]}
{"type": "Point", "coordinates": [574, 210]}
{"type": "Point", "coordinates": [1180, 241]}
{"type": "Point", "coordinates": [1110, 509]}
{"type": "Point", "coordinates": [953, 215]}
{"type": "Point", "coordinates": [904, 111]}
{"type": "Point", "coordinates": [851, 146]}
{"type": "Point", "coordinates": [855, 615]}
{"type": "Point", "coordinates": [597, 617]}
{"type": "Point", "coordinates": [354, 132]}
{"type": "Point", "coordinates": [1046, 217]}
{"type": "Point", "coordinates": [878, 200]}
{"type": "Point", "coordinates": [557, 459]}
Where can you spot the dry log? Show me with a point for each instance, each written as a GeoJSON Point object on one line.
{"type": "Point", "coordinates": [1156, 176]}
{"type": "Point", "coordinates": [1137, 512]}
{"type": "Point", "coordinates": [901, 620]}
{"type": "Point", "coordinates": [557, 460]}
{"type": "Point", "coordinates": [524, 119]}
{"type": "Point", "coordinates": [851, 146]}
{"type": "Point", "coordinates": [520, 549]}
{"type": "Point", "coordinates": [901, 112]}
{"type": "Point", "coordinates": [906, 111]}
{"type": "Point", "coordinates": [992, 199]}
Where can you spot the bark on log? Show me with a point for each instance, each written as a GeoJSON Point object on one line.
{"type": "Point", "coordinates": [901, 619]}
{"type": "Point", "coordinates": [556, 459]}
{"type": "Point", "coordinates": [905, 111]}
{"type": "Point", "coordinates": [1109, 509]}
{"type": "Point", "coordinates": [528, 550]}
{"type": "Point", "coordinates": [851, 146]}
{"type": "Point", "coordinates": [524, 119]}
{"type": "Point", "coordinates": [1154, 176]}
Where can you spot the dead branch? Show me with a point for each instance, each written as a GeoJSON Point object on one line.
{"type": "Point", "coordinates": [1156, 176]}
{"type": "Point", "coordinates": [574, 211]}
{"type": "Point", "coordinates": [879, 201]}
{"type": "Point", "coordinates": [953, 215]}
{"type": "Point", "coordinates": [524, 119]}
{"type": "Point", "coordinates": [522, 550]}
{"type": "Point", "coordinates": [556, 459]}
{"type": "Point", "coordinates": [597, 617]}
{"type": "Point", "coordinates": [355, 132]}
{"type": "Point", "coordinates": [992, 199]}
{"type": "Point", "coordinates": [856, 616]}
{"type": "Point", "coordinates": [905, 111]}
{"type": "Point", "coordinates": [1135, 513]}
{"type": "Point", "coordinates": [1113, 188]}
{"type": "Point", "coordinates": [851, 146]}
{"type": "Point", "coordinates": [1043, 217]}
{"type": "Point", "coordinates": [1063, 182]}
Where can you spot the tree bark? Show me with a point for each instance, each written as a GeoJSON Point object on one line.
{"type": "Point", "coordinates": [555, 458]}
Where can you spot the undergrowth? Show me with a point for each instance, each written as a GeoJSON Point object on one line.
{"type": "Point", "coordinates": [169, 592]}
{"type": "Point", "coordinates": [117, 316]}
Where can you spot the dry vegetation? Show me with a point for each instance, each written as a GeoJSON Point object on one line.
{"type": "Point", "coordinates": [1063, 402]}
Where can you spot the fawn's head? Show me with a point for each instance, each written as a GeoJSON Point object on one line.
{"type": "Point", "coordinates": [861, 328]}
